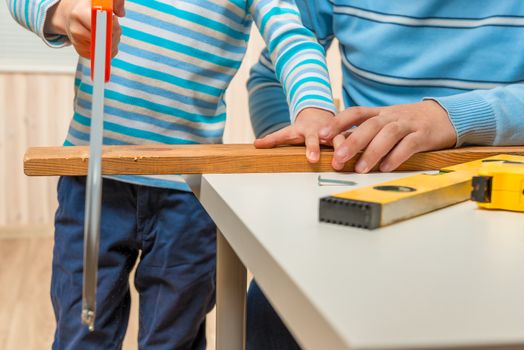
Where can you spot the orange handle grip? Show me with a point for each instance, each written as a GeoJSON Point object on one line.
{"type": "Point", "coordinates": [107, 6]}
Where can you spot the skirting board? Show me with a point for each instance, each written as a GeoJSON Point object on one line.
{"type": "Point", "coordinates": [221, 159]}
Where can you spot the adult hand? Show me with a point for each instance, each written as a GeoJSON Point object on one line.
{"type": "Point", "coordinates": [391, 135]}
{"type": "Point", "coordinates": [73, 19]}
{"type": "Point", "coordinates": [312, 126]}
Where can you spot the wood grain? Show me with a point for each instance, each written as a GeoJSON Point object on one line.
{"type": "Point", "coordinates": [221, 159]}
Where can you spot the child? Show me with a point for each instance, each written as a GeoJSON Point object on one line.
{"type": "Point", "coordinates": [176, 58]}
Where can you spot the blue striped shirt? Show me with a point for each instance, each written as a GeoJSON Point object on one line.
{"type": "Point", "coordinates": [175, 61]}
{"type": "Point", "coordinates": [467, 55]}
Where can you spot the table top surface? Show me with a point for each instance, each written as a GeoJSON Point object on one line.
{"type": "Point", "coordinates": [454, 277]}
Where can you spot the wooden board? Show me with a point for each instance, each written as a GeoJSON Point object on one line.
{"type": "Point", "coordinates": [221, 159]}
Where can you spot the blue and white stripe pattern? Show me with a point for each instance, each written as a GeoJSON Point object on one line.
{"type": "Point", "coordinates": [175, 61]}
{"type": "Point", "coordinates": [467, 55]}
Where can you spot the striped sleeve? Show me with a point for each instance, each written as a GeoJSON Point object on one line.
{"type": "Point", "coordinates": [268, 108]}
{"type": "Point", "coordinates": [298, 59]}
{"type": "Point", "coordinates": [31, 14]}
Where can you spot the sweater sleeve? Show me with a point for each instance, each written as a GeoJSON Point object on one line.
{"type": "Point", "coordinates": [297, 57]}
{"type": "Point", "coordinates": [487, 117]}
{"type": "Point", "coordinates": [31, 14]}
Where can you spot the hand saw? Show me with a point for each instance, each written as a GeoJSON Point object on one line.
{"type": "Point", "coordinates": [101, 38]}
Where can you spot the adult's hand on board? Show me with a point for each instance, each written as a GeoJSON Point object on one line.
{"type": "Point", "coordinates": [312, 127]}
{"type": "Point", "coordinates": [73, 19]}
{"type": "Point", "coordinates": [391, 135]}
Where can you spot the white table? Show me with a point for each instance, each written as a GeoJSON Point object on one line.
{"type": "Point", "coordinates": [450, 279]}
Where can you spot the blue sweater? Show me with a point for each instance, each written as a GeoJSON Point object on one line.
{"type": "Point", "coordinates": [175, 62]}
{"type": "Point", "coordinates": [466, 54]}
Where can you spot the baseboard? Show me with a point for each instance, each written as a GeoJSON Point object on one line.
{"type": "Point", "coordinates": [26, 231]}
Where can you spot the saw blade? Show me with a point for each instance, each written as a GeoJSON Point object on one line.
{"type": "Point", "coordinates": [94, 177]}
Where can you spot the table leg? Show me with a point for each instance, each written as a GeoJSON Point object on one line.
{"type": "Point", "coordinates": [231, 298]}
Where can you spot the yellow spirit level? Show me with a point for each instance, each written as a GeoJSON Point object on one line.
{"type": "Point", "coordinates": [389, 202]}
{"type": "Point", "coordinates": [500, 185]}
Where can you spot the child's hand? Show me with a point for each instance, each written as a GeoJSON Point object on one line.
{"type": "Point", "coordinates": [391, 135]}
{"type": "Point", "coordinates": [311, 127]}
{"type": "Point", "coordinates": [73, 18]}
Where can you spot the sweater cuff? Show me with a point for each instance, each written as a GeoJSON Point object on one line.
{"type": "Point", "coordinates": [472, 117]}
{"type": "Point", "coordinates": [52, 40]}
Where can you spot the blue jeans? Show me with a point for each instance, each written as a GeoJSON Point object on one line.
{"type": "Point", "coordinates": [173, 239]}
{"type": "Point", "coordinates": [265, 329]}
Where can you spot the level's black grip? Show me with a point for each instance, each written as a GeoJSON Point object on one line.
{"type": "Point", "coordinates": [350, 212]}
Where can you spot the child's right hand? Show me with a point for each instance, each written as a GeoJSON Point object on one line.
{"type": "Point", "coordinates": [73, 19]}
{"type": "Point", "coordinates": [312, 127]}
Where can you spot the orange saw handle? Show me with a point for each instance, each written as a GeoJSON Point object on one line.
{"type": "Point", "coordinates": [107, 6]}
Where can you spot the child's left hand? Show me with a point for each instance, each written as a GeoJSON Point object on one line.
{"type": "Point", "coordinates": [312, 127]}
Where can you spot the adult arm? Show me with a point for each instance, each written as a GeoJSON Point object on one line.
{"type": "Point", "coordinates": [390, 135]}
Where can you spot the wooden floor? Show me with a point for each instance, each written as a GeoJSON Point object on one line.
{"type": "Point", "coordinates": [26, 317]}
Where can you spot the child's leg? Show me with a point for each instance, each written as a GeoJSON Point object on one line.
{"type": "Point", "coordinates": [176, 274]}
{"type": "Point", "coordinates": [118, 252]}
{"type": "Point", "coordinates": [265, 329]}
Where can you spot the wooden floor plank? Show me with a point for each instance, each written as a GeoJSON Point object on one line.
{"type": "Point", "coordinates": [221, 159]}
{"type": "Point", "coordinates": [32, 323]}
{"type": "Point", "coordinates": [13, 255]}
